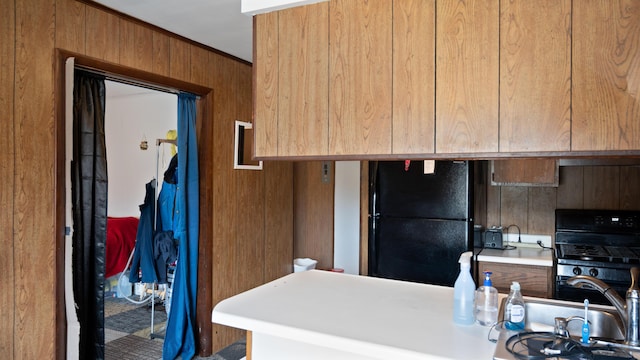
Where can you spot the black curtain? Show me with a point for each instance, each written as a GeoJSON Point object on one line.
{"type": "Point", "coordinates": [89, 206]}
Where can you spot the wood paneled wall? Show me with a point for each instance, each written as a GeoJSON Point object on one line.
{"type": "Point", "coordinates": [580, 187]}
{"type": "Point", "coordinates": [314, 202]}
{"type": "Point", "coordinates": [250, 212]}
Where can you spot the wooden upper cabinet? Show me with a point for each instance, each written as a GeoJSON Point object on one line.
{"type": "Point", "coordinates": [467, 76]}
{"type": "Point", "coordinates": [525, 172]}
{"type": "Point", "coordinates": [265, 84]}
{"type": "Point", "coordinates": [413, 76]}
{"type": "Point", "coordinates": [606, 75]}
{"type": "Point", "coordinates": [360, 64]}
{"type": "Point", "coordinates": [291, 82]}
{"type": "Point", "coordinates": [535, 75]}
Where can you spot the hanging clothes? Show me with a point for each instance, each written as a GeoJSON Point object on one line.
{"type": "Point", "coordinates": [143, 259]}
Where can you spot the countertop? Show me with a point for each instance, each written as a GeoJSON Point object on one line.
{"type": "Point", "coordinates": [378, 318]}
{"type": "Point", "coordinates": [520, 255]}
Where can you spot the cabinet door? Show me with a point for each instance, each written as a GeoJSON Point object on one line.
{"type": "Point", "coordinates": [413, 76]}
{"type": "Point", "coordinates": [467, 76]}
{"type": "Point", "coordinates": [360, 77]}
{"type": "Point", "coordinates": [303, 119]}
{"type": "Point", "coordinates": [534, 280]}
{"type": "Point", "coordinates": [535, 75]}
{"type": "Point", "coordinates": [606, 75]}
{"type": "Point", "coordinates": [291, 82]}
{"type": "Point", "coordinates": [265, 84]}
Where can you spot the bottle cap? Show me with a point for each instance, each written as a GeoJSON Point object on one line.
{"type": "Point", "coordinates": [487, 278]}
{"type": "Point", "coordinates": [515, 285]}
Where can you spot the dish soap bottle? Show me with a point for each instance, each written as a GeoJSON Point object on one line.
{"type": "Point", "coordinates": [486, 302]}
{"type": "Point", "coordinates": [514, 312]}
{"type": "Point", "coordinates": [463, 292]}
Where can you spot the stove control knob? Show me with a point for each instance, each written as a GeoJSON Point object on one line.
{"type": "Point", "coordinates": [577, 271]}
{"type": "Point", "coordinates": [593, 272]}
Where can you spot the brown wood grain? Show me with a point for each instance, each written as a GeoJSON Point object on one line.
{"type": "Point", "coordinates": [514, 203]}
{"type": "Point", "coordinates": [413, 76]}
{"type": "Point", "coordinates": [303, 79]}
{"type": "Point", "coordinates": [70, 25]}
{"type": "Point", "coordinates": [467, 76]}
{"type": "Point", "coordinates": [629, 189]}
{"type": "Point", "coordinates": [534, 280]}
{"type": "Point", "coordinates": [102, 35]}
{"type": "Point", "coordinates": [571, 188]}
{"type": "Point", "coordinates": [535, 75]}
{"type": "Point", "coordinates": [34, 220]}
{"type": "Point", "coordinates": [136, 46]}
{"type": "Point", "coordinates": [530, 172]}
{"type": "Point", "coordinates": [313, 213]}
{"type": "Point", "coordinates": [360, 66]}
{"type": "Point", "coordinates": [265, 84]}
{"type": "Point", "coordinates": [278, 219]}
{"type": "Point", "coordinates": [180, 59]}
{"type": "Point", "coordinates": [161, 54]}
{"type": "Point", "coordinates": [606, 75]}
{"type": "Point", "coordinates": [541, 210]}
{"type": "Point", "coordinates": [7, 172]}
{"type": "Point", "coordinates": [601, 187]}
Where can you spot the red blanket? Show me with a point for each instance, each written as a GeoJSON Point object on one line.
{"type": "Point", "coordinates": [121, 240]}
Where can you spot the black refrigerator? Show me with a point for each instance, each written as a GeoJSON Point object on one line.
{"type": "Point", "coordinates": [419, 223]}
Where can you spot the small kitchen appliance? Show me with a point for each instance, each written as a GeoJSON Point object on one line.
{"type": "Point", "coordinates": [604, 244]}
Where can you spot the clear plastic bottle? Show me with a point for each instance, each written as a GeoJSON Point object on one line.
{"type": "Point", "coordinates": [514, 312]}
{"type": "Point", "coordinates": [486, 302]}
{"type": "Point", "coordinates": [463, 292]}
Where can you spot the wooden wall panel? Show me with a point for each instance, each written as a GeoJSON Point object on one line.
{"type": "Point", "coordinates": [570, 188]}
{"type": "Point", "coordinates": [514, 198]}
{"type": "Point", "coordinates": [535, 89]}
{"type": "Point", "coordinates": [540, 213]}
{"type": "Point", "coordinates": [180, 59]}
{"type": "Point", "coordinates": [161, 54]}
{"type": "Point", "coordinates": [467, 76]}
{"type": "Point", "coordinates": [601, 187]}
{"type": "Point", "coordinates": [303, 80]}
{"type": "Point", "coordinates": [102, 35]}
{"type": "Point", "coordinates": [31, 193]}
{"type": "Point", "coordinates": [278, 220]}
{"type": "Point", "coordinates": [360, 66]}
{"type": "Point", "coordinates": [313, 212]}
{"type": "Point", "coordinates": [136, 46]}
{"type": "Point", "coordinates": [629, 189]}
{"type": "Point", "coordinates": [34, 321]}
{"type": "Point", "coordinates": [7, 173]}
{"type": "Point", "coordinates": [70, 25]}
{"type": "Point", "coordinates": [413, 76]}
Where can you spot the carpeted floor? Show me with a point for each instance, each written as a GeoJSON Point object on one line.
{"type": "Point", "coordinates": [128, 333]}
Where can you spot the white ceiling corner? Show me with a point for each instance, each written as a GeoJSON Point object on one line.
{"type": "Point", "coordinates": [218, 24]}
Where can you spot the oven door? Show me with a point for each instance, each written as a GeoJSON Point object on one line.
{"type": "Point", "coordinates": [570, 293]}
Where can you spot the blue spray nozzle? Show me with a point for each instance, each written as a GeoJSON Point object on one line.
{"type": "Point", "coordinates": [487, 278]}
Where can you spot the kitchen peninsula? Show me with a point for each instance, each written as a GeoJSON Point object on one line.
{"type": "Point", "coordinates": [324, 315]}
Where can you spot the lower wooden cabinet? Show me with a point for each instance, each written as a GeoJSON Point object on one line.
{"type": "Point", "coordinates": [534, 280]}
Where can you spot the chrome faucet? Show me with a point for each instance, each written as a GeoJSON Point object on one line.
{"type": "Point", "coordinates": [628, 309]}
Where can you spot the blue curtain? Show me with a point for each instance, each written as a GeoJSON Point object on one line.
{"type": "Point", "coordinates": [181, 325]}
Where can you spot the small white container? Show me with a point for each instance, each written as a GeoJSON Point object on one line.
{"type": "Point", "coordinates": [304, 264]}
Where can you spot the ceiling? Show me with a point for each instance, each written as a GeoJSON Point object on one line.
{"type": "Point", "coordinates": [218, 24]}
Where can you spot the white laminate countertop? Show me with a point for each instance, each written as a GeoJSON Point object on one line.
{"type": "Point", "coordinates": [519, 255]}
{"type": "Point", "coordinates": [379, 318]}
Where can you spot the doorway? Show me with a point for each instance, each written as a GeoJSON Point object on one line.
{"type": "Point", "coordinates": [64, 141]}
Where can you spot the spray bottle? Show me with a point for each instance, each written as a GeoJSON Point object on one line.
{"type": "Point", "coordinates": [463, 292]}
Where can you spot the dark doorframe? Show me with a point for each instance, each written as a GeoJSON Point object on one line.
{"type": "Point", "coordinates": [204, 123]}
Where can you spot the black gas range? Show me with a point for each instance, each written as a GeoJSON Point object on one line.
{"type": "Point", "coordinates": [604, 244]}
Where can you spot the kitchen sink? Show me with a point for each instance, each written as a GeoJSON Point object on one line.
{"type": "Point", "coordinates": [604, 321]}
